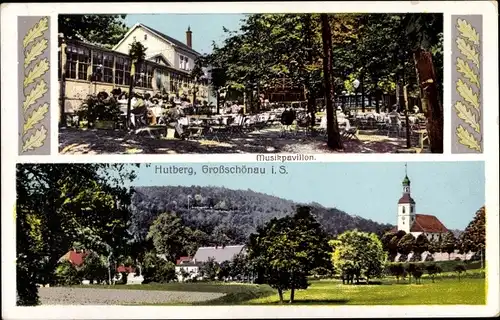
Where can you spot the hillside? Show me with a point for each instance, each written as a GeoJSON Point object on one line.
{"type": "Point", "coordinates": [235, 212]}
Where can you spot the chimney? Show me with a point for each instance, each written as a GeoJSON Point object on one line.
{"type": "Point", "coordinates": [189, 37]}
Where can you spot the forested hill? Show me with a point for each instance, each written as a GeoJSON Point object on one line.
{"type": "Point", "coordinates": [235, 212]}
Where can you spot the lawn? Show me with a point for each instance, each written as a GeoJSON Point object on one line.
{"type": "Point", "coordinates": [442, 291]}
{"type": "Point", "coordinates": [445, 290]}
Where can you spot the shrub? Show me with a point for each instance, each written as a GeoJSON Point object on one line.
{"type": "Point", "coordinates": [459, 269]}
{"type": "Point", "coordinates": [99, 107]}
{"type": "Point", "coordinates": [158, 270]}
{"type": "Point", "coordinates": [66, 274]}
{"type": "Point", "coordinates": [397, 270]}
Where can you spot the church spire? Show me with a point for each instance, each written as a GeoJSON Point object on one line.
{"type": "Point", "coordinates": [406, 180]}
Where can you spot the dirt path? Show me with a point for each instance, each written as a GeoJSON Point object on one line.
{"type": "Point", "coordinates": [81, 296]}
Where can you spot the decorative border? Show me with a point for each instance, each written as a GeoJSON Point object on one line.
{"type": "Point", "coordinates": [34, 78]}
{"type": "Point", "coordinates": [467, 118]}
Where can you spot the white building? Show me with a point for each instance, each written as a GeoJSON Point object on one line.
{"type": "Point", "coordinates": [161, 48]}
{"type": "Point", "coordinates": [190, 269]}
{"type": "Point", "coordinates": [411, 222]}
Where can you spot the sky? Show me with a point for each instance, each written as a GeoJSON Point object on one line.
{"type": "Point", "coordinates": [452, 191]}
{"type": "Point", "coordinates": [205, 27]}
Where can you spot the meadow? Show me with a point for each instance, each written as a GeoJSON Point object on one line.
{"type": "Point", "coordinates": [445, 290]}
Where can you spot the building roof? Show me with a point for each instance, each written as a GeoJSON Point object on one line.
{"type": "Point", "coordinates": [183, 260]}
{"type": "Point", "coordinates": [173, 41]}
{"type": "Point", "coordinates": [121, 269]}
{"type": "Point", "coordinates": [124, 55]}
{"type": "Point", "coordinates": [406, 181]}
{"type": "Point", "coordinates": [220, 254]}
{"type": "Point", "coordinates": [74, 257]}
{"type": "Point", "coordinates": [406, 198]}
{"type": "Point", "coordinates": [176, 42]}
{"type": "Point", "coordinates": [427, 223]}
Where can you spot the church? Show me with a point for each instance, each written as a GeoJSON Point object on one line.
{"type": "Point", "coordinates": [415, 223]}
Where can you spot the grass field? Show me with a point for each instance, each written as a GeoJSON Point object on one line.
{"type": "Point", "coordinates": [443, 291]}
{"type": "Point", "coordinates": [470, 290]}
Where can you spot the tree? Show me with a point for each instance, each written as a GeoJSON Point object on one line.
{"type": "Point", "coordinates": [210, 269]}
{"type": "Point", "coordinates": [473, 238]}
{"type": "Point", "coordinates": [358, 253]}
{"type": "Point", "coordinates": [238, 267]}
{"type": "Point", "coordinates": [156, 269]}
{"type": "Point", "coordinates": [67, 274]}
{"type": "Point", "coordinates": [285, 250]}
{"type": "Point", "coordinates": [98, 29]}
{"type": "Point", "coordinates": [60, 204]}
{"type": "Point", "coordinates": [448, 244]}
{"type": "Point", "coordinates": [334, 140]}
{"type": "Point", "coordinates": [459, 269]}
{"type": "Point", "coordinates": [433, 270]}
{"type": "Point", "coordinates": [397, 270]}
{"type": "Point", "coordinates": [94, 268]}
{"type": "Point", "coordinates": [224, 270]}
{"type": "Point", "coordinates": [197, 74]}
{"type": "Point", "coordinates": [169, 235]}
{"type": "Point", "coordinates": [137, 54]}
{"type": "Point", "coordinates": [390, 245]}
{"type": "Point", "coordinates": [406, 244]}
{"type": "Point", "coordinates": [417, 273]}
{"type": "Point", "coordinates": [421, 245]}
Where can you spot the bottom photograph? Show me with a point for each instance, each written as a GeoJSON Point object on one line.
{"type": "Point", "coordinates": [383, 233]}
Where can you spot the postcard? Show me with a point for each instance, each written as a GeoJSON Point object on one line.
{"type": "Point", "coordinates": [250, 160]}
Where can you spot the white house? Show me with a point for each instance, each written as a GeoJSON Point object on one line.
{"type": "Point", "coordinates": [411, 222]}
{"type": "Point", "coordinates": [161, 48]}
{"type": "Point", "coordinates": [189, 269]}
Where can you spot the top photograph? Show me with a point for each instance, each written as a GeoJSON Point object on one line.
{"type": "Point", "coordinates": [250, 83]}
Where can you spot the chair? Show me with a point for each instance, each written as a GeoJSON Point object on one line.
{"type": "Point", "coordinates": [350, 132]}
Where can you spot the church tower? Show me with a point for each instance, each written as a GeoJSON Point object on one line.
{"type": "Point", "coordinates": [406, 206]}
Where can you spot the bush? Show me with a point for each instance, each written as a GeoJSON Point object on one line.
{"type": "Point", "coordinates": [99, 107]}
{"type": "Point", "coordinates": [94, 268]}
{"type": "Point", "coordinates": [67, 274]}
{"type": "Point", "coordinates": [157, 270]}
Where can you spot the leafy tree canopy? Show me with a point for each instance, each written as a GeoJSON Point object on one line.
{"type": "Point", "coordinates": [98, 29]}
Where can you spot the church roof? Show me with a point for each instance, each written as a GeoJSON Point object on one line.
{"type": "Point", "coordinates": [427, 223]}
{"type": "Point", "coordinates": [406, 198]}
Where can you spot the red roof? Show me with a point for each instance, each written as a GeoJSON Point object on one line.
{"type": "Point", "coordinates": [183, 259]}
{"type": "Point", "coordinates": [406, 199]}
{"type": "Point", "coordinates": [394, 230]}
{"type": "Point", "coordinates": [427, 223]}
{"type": "Point", "coordinates": [74, 257]}
{"type": "Point", "coordinates": [121, 269]}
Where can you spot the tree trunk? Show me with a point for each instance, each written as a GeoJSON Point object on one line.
{"type": "Point", "coordinates": [362, 93]}
{"type": "Point", "coordinates": [194, 94]}
{"type": "Point", "coordinates": [62, 88]}
{"type": "Point", "coordinates": [433, 111]}
{"type": "Point", "coordinates": [130, 88]}
{"type": "Point", "coordinates": [311, 108]}
{"type": "Point", "coordinates": [292, 295]}
{"type": "Point", "coordinates": [407, 120]}
{"type": "Point", "coordinates": [280, 293]}
{"type": "Point", "coordinates": [218, 102]}
{"type": "Point", "coordinates": [377, 97]}
{"type": "Point", "coordinates": [334, 140]}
